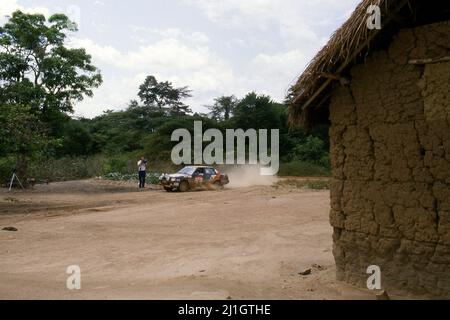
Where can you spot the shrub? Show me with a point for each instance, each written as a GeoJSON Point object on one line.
{"type": "Point", "coordinates": [116, 164]}
{"type": "Point", "coordinates": [6, 166]}
{"type": "Point", "coordinates": [152, 178]}
{"type": "Point", "coordinates": [319, 184]}
{"type": "Point", "coordinates": [303, 169]}
{"type": "Point", "coordinates": [312, 150]}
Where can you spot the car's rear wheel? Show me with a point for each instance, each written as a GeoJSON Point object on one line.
{"type": "Point", "coordinates": [184, 186]}
{"type": "Point", "coordinates": [168, 189]}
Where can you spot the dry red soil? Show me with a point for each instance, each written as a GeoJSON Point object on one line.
{"type": "Point", "coordinates": [238, 243]}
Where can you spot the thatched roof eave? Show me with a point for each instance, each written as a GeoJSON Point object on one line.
{"type": "Point", "coordinates": [313, 87]}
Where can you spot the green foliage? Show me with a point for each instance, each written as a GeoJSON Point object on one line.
{"type": "Point", "coordinates": [257, 112]}
{"type": "Point", "coordinates": [77, 139]}
{"type": "Point", "coordinates": [23, 136]}
{"type": "Point", "coordinates": [318, 185]}
{"type": "Point", "coordinates": [36, 68]}
{"type": "Point", "coordinates": [223, 108]}
{"type": "Point", "coordinates": [303, 169]}
{"type": "Point", "coordinates": [115, 164]}
{"type": "Point", "coordinates": [163, 96]}
{"type": "Point", "coordinates": [313, 184]}
{"type": "Point", "coordinates": [40, 79]}
{"type": "Point", "coordinates": [311, 150]}
{"type": "Point", "coordinates": [7, 164]}
{"type": "Point", "coordinates": [152, 178]}
{"type": "Point", "coordinates": [159, 145]}
{"type": "Point", "coordinates": [66, 168]}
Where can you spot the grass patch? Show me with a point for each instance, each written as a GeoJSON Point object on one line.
{"type": "Point", "coordinates": [152, 178]}
{"type": "Point", "coordinates": [316, 184]}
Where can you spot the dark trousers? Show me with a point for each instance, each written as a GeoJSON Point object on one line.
{"type": "Point", "coordinates": [142, 175]}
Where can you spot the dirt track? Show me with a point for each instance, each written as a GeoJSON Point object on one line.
{"type": "Point", "coordinates": [243, 243]}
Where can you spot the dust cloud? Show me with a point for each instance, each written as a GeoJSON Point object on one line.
{"type": "Point", "coordinates": [247, 176]}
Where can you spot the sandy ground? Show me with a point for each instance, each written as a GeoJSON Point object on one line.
{"type": "Point", "coordinates": [238, 243]}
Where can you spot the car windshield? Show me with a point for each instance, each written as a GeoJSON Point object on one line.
{"type": "Point", "coordinates": [187, 170]}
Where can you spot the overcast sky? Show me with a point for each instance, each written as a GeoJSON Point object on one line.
{"type": "Point", "coordinates": [216, 47]}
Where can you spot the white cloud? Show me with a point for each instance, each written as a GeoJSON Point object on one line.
{"type": "Point", "coordinates": [146, 35]}
{"type": "Point", "coordinates": [259, 45]}
{"type": "Point", "coordinates": [168, 59]}
{"type": "Point", "coordinates": [274, 73]}
{"type": "Point", "coordinates": [295, 20]}
{"type": "Point", "coordinates": [7, 7]}
{"type": "Point", "coordinates": [99, 3]}
{"type": "Point", "coordinates": [199, 68]}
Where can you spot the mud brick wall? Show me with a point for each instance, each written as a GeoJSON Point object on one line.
{"type": "Point", "coordinates": [390, 149]}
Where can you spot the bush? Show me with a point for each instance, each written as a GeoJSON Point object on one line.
{"type": "Point", "coordinates": [152, 178]}
{"type": "Point", "coordinates": [6, 166]}
{"type": "Point", "coordinates": [116, 164]}
{"type": "Point", "coordinates": [303, 169]}
{"type": "Point", "coordinates": [316, 184]}
{"type": "Point", "coordinates": [120, 167]}
{"type": "Point", "coordinates": [312, 150]}
{"type": "Point", "coordinates": [67, 168]}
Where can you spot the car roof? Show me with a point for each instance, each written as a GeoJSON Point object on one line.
{"type": "Point", "coordinates": [196, 167]}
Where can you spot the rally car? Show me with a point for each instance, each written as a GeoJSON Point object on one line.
{"type": "Point", "coordinates": [193, 177]}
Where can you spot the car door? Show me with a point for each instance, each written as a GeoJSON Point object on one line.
{"type": "Point", "coordinates": [198, 176]}
{"type": "Point", "coordinates": [210, 174]}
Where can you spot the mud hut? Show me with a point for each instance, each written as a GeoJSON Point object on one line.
{"type": "Point", "coordinates": [386, 95]}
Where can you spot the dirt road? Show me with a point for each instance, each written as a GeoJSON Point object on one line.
{"type": "Point", "coordinates": [243, 243]}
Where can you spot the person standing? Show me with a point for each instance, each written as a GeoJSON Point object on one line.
{"type": "Point", "coordinates": [142, 169]}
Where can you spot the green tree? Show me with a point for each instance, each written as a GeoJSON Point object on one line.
{"type": "Point", "coordinates": [23, 135]}
{"type": "Point", "coordinates": [77, 139]}
{"type": "Point", "coordinates": [37, 69]}
{"type": "Point", "coordinates": [223, 107]}
{"type": "Point", "coordinates": [163, 96]}
{"type": "Point", "coordinates": [258, 112]}
{"type": "Point", "coordinates": [159, 145]}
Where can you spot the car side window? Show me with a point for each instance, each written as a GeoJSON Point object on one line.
{"type": "Point", "coordinates": [199, 171]}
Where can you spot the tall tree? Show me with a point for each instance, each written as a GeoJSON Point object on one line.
{"type": "Point", "coordinates": [223, 107]}
{"type": "Point", "coordinates": [258, 112]}
{"type": "Point", "coordinates": [37, 69]}
{"type": "Point", "coordinates": [163, 96]}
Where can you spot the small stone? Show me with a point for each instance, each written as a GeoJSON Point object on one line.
{"type": "Point", "coordinates": [382, 295]}
{"type": "Point", "coordinates": [305, 272]}
{"type": "Point", "coordinates": [10, 229]}
{"type": "Point", "coordinates": [318, 267]}
{"type": "Point", "coordinates": [201, 271]}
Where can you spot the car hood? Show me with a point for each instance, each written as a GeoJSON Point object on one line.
{"type": "Point", "coordinates": [174, 175]}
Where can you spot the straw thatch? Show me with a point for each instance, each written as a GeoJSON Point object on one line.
{"type": "Point", "coordinates": [346, 44]}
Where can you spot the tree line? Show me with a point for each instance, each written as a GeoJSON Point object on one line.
{"type": "Point", "coordinates": [41, 80]}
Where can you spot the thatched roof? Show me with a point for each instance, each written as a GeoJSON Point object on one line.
{"type": "Point", "coordinates": [346, 47]}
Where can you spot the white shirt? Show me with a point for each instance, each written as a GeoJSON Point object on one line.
{"type": "Point", "coordinates": [142, 166]}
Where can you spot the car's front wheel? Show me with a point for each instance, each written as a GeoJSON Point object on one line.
{"type": "Point", "coordinates": [184, 186]}
{"type": "Point", "coordinates": [218, 185]}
